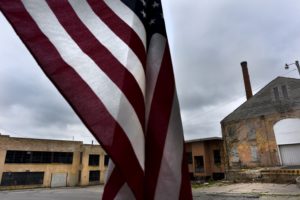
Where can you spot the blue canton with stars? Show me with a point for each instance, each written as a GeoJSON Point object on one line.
{"type": "Point", "coordinates": [150, 13]}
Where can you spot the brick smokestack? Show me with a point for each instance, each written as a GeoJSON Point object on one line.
{"type": "Point", "coordinates": [246, 80]}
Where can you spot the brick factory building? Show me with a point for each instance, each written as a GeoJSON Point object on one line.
{"type": "Point", "coordinates": [205, 160]}
{"type": "Point", "coordinates": [248, 132]}
{"type": "Point", "coordinates": [26, 162]}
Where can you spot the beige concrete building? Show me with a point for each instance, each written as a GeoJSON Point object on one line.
{"type": "Point", "coordinates": [205, 158]}
{"type": "Point", "coordinates": [26, 162]}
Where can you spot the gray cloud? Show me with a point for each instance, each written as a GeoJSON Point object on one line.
{"type": "Point", "coordinates": [30, 105]}
{"type": "Point", "coordinates": [210, 38]}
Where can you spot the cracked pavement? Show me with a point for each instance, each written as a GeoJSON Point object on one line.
{"type": "Point", "coordinates": [242, 191]}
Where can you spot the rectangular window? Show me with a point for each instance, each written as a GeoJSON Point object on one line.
{"type": "Point", "coordinates": [47, 157]}
{"type": "Point", "coordinates": [232, 133]}
{"type": "Point", "coordinates": [217, 157]}
{"type": "Point", "coordinates": [276, 93]}
{"type": "Point", "coordinates": [234, 154]}
{"type": "Point", "coordinates": [189, 156]}
{"type": "Point", "coordinates": [252, 134]}
{"type": "Point", "coordinates": [284, 91]}
{"type": "Point", "coordinates": [94, 176]}
{"type": "Point", "coordinates": [79, 176]}
{"type": "Point", "coordinates": [254, 153]}
{"type": "Point", "coordinates": [41, 157]}
{"type": "Point", "coordinates": [106, 160]}
{"type": "Point", "coordinates": [199, 164]}
{"type": "Point", "coordinates": [94, 160]}
{"type": "Point", "coordinates": [81, 154]}
{"type": "Point", "coordinates": [38, 157]}
{"type": "Point", "coordinates": [22, 178]}
{"type": "Point", "coordinates": [62, 157]}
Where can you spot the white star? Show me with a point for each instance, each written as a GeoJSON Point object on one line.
{"type": "Point", "coordinates": [155, 4]}
{"type": "Point", "coordinates": [143, 13]}
{"type": "Point", "coordinates": [143, 2]}
{"type": "Point", "coordinates": [152, 21]}
{"type": "Point", "coordinates": [161, 15]}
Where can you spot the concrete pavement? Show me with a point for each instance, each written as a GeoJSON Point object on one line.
{"type": "Point", "coordinates": [217, 191]}
{"type": "Point", "coordinates": [263, 191]}
{"type": "Point", "coordinates": [85, 193]}
{"type": "Point", "coordinates": [88, 193]}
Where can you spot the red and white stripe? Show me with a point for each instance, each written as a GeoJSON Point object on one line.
{"type": "Point", "coordinates": [95, 53]}
{"type": "Point", "coordinates": [166, 169]}
{"type": "Point", "coordinates": [99, 72]}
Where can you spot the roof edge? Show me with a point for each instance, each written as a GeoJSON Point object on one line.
{"type": "Point", "coordinates": [258, 92]}
{"type": "Point", "coordinates": [203, 139]}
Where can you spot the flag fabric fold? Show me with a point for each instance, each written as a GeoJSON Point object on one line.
{"type": "Point", "coordinates": [110, 60]}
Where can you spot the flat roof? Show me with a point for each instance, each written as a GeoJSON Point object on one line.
{"type": "Point", "coordinates": [203, 139]}
{"type": "Point", "coordinates": [41, 139]}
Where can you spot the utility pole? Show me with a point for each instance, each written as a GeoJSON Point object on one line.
{"type": "Point", "coordinates": [297, 65]}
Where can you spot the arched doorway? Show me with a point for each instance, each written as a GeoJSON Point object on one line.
{"type": "Point", "coordinates": [287, 134]}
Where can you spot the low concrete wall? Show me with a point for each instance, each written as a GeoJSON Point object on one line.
{"type": "Point", "coordinates": [262, 175]}
{"type": "Point", "coordinates": [243, 176]}
{"type": "Point", "coordinates": [298, 181]}
{"type": "Point", "coordinates": [280, 175]}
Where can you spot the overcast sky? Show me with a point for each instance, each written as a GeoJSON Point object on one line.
{"type": "Point", "coordinates": [208, 40]}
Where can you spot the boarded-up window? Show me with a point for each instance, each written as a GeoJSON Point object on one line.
{"type": "Point", "coordinates": [235, 154]}
{"type": "Point", "coordinates": [284, 91]}
{"type": "Point", "coordinates": [252, 134]}
{"type": "Point", "coordinates": [254, 153]}
{"type": "Point", "coordinates": [276, 93]}
{"type": "Point", "coordinates": [231, 132]}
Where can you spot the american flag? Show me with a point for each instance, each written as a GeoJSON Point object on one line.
{"type": "Point", "coordinates": [110, 59]}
